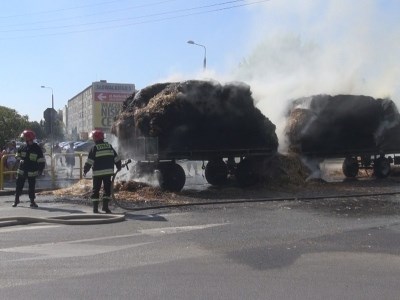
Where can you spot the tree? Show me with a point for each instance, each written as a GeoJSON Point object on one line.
{"type": "Point", "coordinates": [58, 130]}
{"type": "Point", "coordinates": [11, 124]}
{"type": "Point", "coordinates": [53, 122]}
{"type": "Point", "coordinates": [38, 129]}
{"type": "Point", "coordinates": [50, 117]}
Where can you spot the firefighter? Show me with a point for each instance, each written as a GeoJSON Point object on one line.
{"type": "Point", "coordinates": [102, 158]}
{"type": "Point", "coordinates": [31, 164]}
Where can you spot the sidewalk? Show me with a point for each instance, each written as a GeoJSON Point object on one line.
{"type": "Point", "coordinates": [49, 205]}
{"type": "Point", "coordinates": [42, 184]}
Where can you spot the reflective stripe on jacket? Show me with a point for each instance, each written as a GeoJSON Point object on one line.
{"type": "Point", "coordinates": [31, 160]}
{"type": "Point", "coordinates": [102, 158]}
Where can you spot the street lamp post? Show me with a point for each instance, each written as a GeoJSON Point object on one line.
{"type": "Point", "coordinates": [51, 133]}
{"type": "Point", "coordinates": [205, 53]}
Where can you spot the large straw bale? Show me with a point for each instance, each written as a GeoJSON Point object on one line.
{"type": "Point", "coordinates": [334, 125]}
{"type": "Point", "coordinates": [196, 115]}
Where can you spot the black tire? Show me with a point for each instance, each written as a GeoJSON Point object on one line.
{"type": "Point", "coordinates": [381, 167]}
{"type": "Point", "coordinates": [350, 167]}
{"type": "Point", "coordinates": [171, 177]}
{"type": "Point", "coordinates": [247, 173]}
{"type": "Point", "coordinates": [216, 172]}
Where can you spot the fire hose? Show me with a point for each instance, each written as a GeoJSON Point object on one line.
{"type": "Point", "coordinates": [130, 206]}
{"type": "Point", "coordinates": [74, 219]}
{"type": "Point", "coordinates": [87, 219]}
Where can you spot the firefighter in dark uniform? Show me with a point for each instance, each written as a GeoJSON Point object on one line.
{"type": "Point", "coordinates": [102, 158]}
{"type": "Point", "coordinates": [31, 164]}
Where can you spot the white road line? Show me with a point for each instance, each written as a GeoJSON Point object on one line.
{"type": "Point", "coordinates": [65, 249]}
{"type": "Point", "coordinates": [13, 229]}
{"type": "Point", "coordinates": [82, 248]}
{"type": "Point", "coordinates": [172, 230]}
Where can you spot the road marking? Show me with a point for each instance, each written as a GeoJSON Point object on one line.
{"type": "Point", "coordinates": [66, 249]}
{"type": "Point", "coordinates": [82, 248]}
{"type": "Point", "coordinates": [3, 230]}
{"type": "Point", "coordinates": [172, 230]}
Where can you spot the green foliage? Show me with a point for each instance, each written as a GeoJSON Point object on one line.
{"type": "Point", "coordinates": [11, 124]}
{"type": "Point", "coordinates": [38, 129]}
{"type": "Point", "coordinates": [58, 130]}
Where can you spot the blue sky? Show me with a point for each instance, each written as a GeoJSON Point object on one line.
{"type": "Point", "coordinates": [282, 48]}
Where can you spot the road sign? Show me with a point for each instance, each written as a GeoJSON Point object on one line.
{"type": "Point", "coordinates": [110, 97]}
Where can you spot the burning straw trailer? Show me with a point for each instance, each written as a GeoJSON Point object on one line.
{"type": "Point", "coordinates": [195, 120]}
{"type": "Point", "coordinates": [246, 165]}
{"type": "Point", "coordinates": [364, 131]}
{"type": "Point", "coordinates": [355, 160]}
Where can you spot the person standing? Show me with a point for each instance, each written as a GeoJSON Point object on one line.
{"type": "Point", "coordinates": [101, 158]}
{"type": "Point", "coordinates": [11, 160]}
{"type": "Point", "coordinates": [31, 164]}
{"type": "Point", "coordinates": [70, 159]}
{"type": "Point", "coordinates": [57, 154]}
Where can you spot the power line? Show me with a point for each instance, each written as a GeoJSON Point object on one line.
{"type": "Point", "coordinates": [139, 17]}
{"type": "Point", "coordinates": [83, 16]}
{"type": "Point", "coordinates": [61, 9]}
{"type": "Point", "coordinates": [123, 19]}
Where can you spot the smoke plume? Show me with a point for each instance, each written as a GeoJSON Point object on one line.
{"type": "Point", "coordinates": [304, 48]}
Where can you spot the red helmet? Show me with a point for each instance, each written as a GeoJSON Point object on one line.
{"type": "Point", "coordinates": [97, 135]}
{"type": "Point", "coordinates": [28, 135]}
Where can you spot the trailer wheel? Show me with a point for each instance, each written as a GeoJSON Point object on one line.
{"type": "Point", "coordinates": [171, 177]}
{"type": "Point", "coordinates": [350, 167]}
{"type": "Point", "coordinates": [381, 167]}
{"type": "Point", "coordinates": [247, 173]}
{"type": "Point", "coordinates": [216, 172]}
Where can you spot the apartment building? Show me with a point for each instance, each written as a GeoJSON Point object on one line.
{"type": "Point", "coordinates": [95, 108]}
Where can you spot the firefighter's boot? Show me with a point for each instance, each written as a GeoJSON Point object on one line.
{"type": "Point", "coordinates": [105, 206]}
{"type": "Point", "coordinates": [33, 203]}
{"type": "Point", "coordinates": [16, 202]}
{"type": "Point", "coordinates": [96, 207]}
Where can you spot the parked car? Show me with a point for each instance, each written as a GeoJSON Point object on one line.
{"type": "Point", "coordinates": [66, 145]}
{"type": "Point", "coordinates": [63, 144]}
{"type": "Point", "coordinates": [84, 146]}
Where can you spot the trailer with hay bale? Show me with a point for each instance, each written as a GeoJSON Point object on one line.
{"type": "Point", "coordinates": [362, 130]}
{"type": "Point", "coordinates": [195, 120]}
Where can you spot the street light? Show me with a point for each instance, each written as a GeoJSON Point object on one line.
{"type": "Point", "coordinates": [205, 53]}
{"type": "Point", "coordinates": [51, 119]}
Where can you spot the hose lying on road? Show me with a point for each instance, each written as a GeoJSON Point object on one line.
{"type": "Point", "coordinates": [74, 219]}
{"type": "Point", "coordinates": [131, 206]}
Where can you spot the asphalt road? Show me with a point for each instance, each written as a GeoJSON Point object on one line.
{"type": "Point", "coordinates": [271, 250]}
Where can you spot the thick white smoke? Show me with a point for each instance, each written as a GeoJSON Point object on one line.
{"type": "Point", "coordinates": [307, 47]}
{"type": "Point", "coordinates": [322, 47]}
